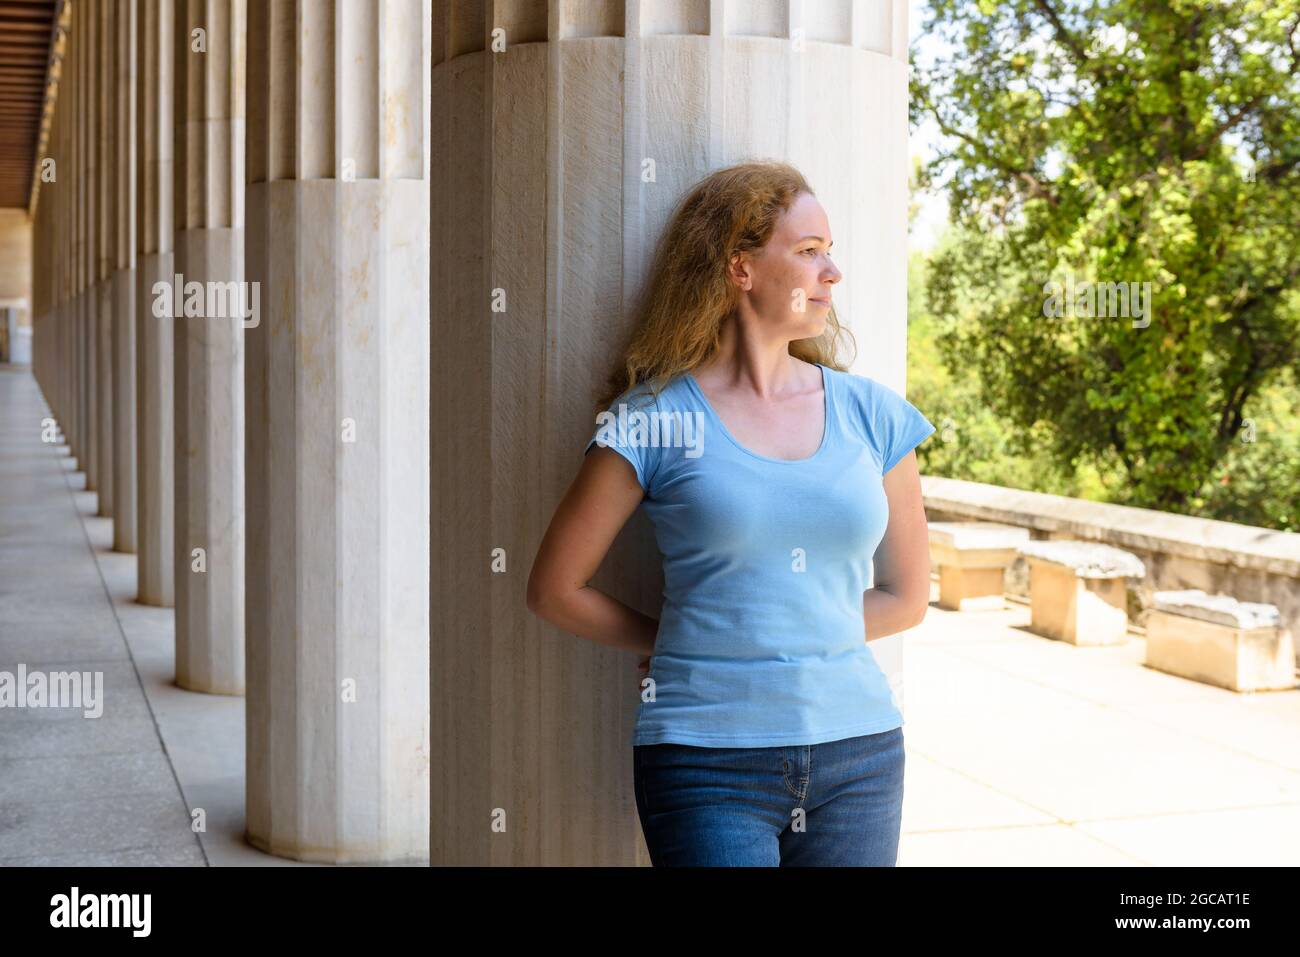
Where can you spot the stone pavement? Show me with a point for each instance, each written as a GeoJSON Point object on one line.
{"type": "Point", "coordinates": [117, 789]}
{"type": "Point", "coordinates": [1022, 750]}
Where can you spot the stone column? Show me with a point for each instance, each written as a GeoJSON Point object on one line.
{"type": "Point", "coordinates": [123, 239]}
{"type": "Point", "coordinates": [62, 190]}
{"type": "Point", "coordinates": [104, 197]}
{"type": "Point", "coordinates": [209, 350]}
{"type": "Point", "coordinates": [52, 357]}
{"type": "Point", "coordinates": [48, 354]}
{"type": "Point", "coordinates": [64, 181]}
{"type": "Point", "coordinates": [558, 162]}
{"type": "Point", "coordinates": [46, 253]}
{"type": "Point", "coordinates": [64, 240]}
{"type": "Point", "coordinates": [89, 461]}
{"type": "Point", "coordinates": [337, 400]}
{"type": "Point", "coordinates": [77, 211]}
{"type": "Point", "coordinates": [104, 209]}
{"type": "Point", "coordinates": [154, 224]}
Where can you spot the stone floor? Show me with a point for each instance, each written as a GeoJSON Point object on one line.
{"type": "Point", "coordinates": [118, 789]}
{"type": "Point", "coordinates": [1026, 751]}
{"type": "Point", "coordinates": [1020, 750]}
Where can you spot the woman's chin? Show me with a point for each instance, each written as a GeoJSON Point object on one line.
{"type": "Point", "coordinates": [812, 326]}
{"type": "Point", "coordinates": [807, 325]}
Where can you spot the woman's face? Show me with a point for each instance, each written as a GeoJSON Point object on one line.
{"type": "Point", "coordinates": [788, 282]}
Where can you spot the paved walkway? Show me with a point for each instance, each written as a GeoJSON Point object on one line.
{"type": "Point", "coordinates": [1026, 751]}
{"type": "Point", "coordinates": [117, 789]}
{"type": "Point", "coordinates": [1020, 750]}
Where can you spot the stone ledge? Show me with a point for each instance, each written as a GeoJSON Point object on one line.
{"type": "Point", "coordinates": [1218, 609]}
{"type": "Point", "coordinates": [1225, 543]}
{"type": "Point", "coordinates": [968, 535]}
{"type": "Point", "coordinates": [1086, 559]}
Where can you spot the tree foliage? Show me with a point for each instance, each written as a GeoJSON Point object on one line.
{"type": "Point", "coordinates": [1127, 141]}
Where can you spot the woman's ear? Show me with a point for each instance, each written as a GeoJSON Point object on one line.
{"type": "Point", "coordinates": [738, 271]}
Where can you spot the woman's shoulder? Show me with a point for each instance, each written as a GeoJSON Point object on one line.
{"type": "Point", "coordinates": [647, 396]}
{"type": "Point", "coordinates": [868, 405]}
{"type": "Point", "coordinates": [863, 388]}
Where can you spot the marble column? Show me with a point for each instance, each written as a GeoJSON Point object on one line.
{"type": "Point", "coordinates": [46, 252]}
{"type": "Point", "coordinates": [104, 204]}
{"type": "Point", "coordinates": [337, 401]}
{"type": "Point", "coordinates": [123, 277]}
{"type": "Point", "coordinates": [105, 219]}
{"type": "Point", "coordinates": [559, 160]}
{"type": "Point", "coordinates": [63, 181]}
{"type": "Point", "coordinates": [47, 347]}
{"type": "Point", "coordinates": [90, 256]}
{"type": "Point", "coordinates": [78, 208]}
{"type": "Point", "coordinates": [64, 240]}
{"type": "Point", "coordinates": [155, 398]}
{"type": "Point", "coordinates": [51, 356]}
{"type": "Point", "coordinates": [208, 192]}
{"type": "Point", "coordinates": [106, 210]}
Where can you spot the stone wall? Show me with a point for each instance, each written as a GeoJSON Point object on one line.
{"type": "Point", "coordinates": [1179, 551]}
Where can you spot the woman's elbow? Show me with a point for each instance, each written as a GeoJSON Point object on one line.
{"type": "Point", "coordinates": [535, 593]}
{"type": "Point", "coordinates": [917, 604]}
{"type": "Point", "coordinates": [919, 613]}
{"type": "Point", "coordinates": [544, 599]}
{"type": "Point", "coordinates": [537, 598]}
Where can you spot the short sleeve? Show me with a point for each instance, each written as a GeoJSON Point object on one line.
{"type": "Point", "coordinates": [899, 426]}
{"type": "Point", "coordinates": [626, 427]}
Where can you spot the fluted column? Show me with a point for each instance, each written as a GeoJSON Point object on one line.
{"type": "Point", "coordinates": [52, 226]}
{"type": "Point", "coordinates": [99, 200]}
{"type": "Point", "coordinates": [62, 239]}
{"type": "Point", "coordinates": [47, 236]}
{"type": "Point", "coordinates": [337, 400]}
{"type": "Point", "coordinates": [78, 208]}
{"type": "Point", "coordinates": [155, 396]}
{"type": "Point", "coordinates": [123, 277]}
{"type": "Point", "coordinates": [209, 350]}
{"type": "Point", "coordinates": [66, 235]}
{"type": "Point", "coordinates": [559, 161]}
{"type": "Point", "coordinates": [66, 179]}
{"type": "Point", "coordinates": [89, 460]}
{"type": "Point", "coordinates": [46, 353]}
{"type": "Point", "coordinates": [104, 198]}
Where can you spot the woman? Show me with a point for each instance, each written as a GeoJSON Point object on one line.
{"type": "Point", "coordinates": [767, 734]}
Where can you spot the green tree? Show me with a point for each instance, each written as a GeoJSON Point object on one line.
{"type": "Point", "coordinates": [1134, 141]}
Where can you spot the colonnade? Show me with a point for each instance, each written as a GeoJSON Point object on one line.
{"type": "Point", "coordinates": [199, 254]}
{"type": "Point", "coordinates": [322, 289]}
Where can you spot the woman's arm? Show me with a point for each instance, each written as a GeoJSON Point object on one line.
{"type": "Point", "coordinates": [602, 497]}
{"type": "Point", "coordinates": [901, 594]}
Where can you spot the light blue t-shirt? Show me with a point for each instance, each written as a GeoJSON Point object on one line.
{"type": "Point", "coordinates": [761, 639]}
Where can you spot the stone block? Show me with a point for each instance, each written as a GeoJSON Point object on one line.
{"type": "Point", "coordinates": [1077, 591]}
{"type": "Point", "coordinates": [972, 557]}
{"type": "Point", "coordinates": [1220, 641]}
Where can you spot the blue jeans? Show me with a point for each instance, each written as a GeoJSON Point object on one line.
{"type": "Point", "coordinates": [835, 804]}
